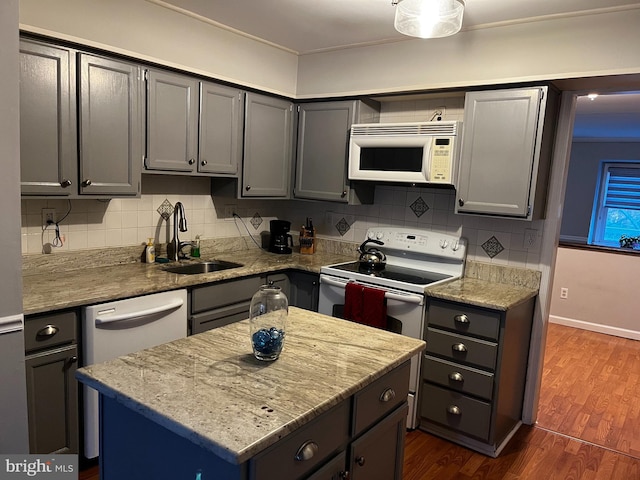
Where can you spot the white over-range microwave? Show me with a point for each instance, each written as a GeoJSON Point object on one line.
{"type": "Point", "coordinates": [416, 152]}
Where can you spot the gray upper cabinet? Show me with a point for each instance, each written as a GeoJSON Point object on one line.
{"type": "Point", "coordinates": [172, 122]}
{"type": "Point", "coordinates": [506, 151]}
{"type": "Point", "coordinates": [267, 147]}
{"type": "Point", "coordinates": [110, 126]}
{"type": "Point", "coordinates": [48, 151]}
{"type": "Point", "coordinates": [221, 117]}
{"type": "Point", "coordinates": [323, 150]}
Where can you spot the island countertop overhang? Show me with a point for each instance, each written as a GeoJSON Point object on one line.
{"type": "Point", "coordinates": [209, 389]}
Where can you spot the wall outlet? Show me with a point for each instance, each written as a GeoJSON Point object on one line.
{"type": "Point", "coordinates": [229, 210]}
{"type": "Point", "coordinates": [530, 239]}
{"type": "Point", "coordinates": [48, 216]}
{"type": "Point", "coordinates": [564, 292]}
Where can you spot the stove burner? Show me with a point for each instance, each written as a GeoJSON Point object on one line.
{"type": "Point", "coordinates": [391, 272]}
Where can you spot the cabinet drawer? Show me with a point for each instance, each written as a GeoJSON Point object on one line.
{"type": "Point", "coordinates": [457, 411]}
{"type": "Point", "coordinates": [226, 293]}
{"type": "Point", "coordinates": [458, 377]}
{"type": "Point", "coordinates": [321, 438]}
{"type": "Point", "coordinates": [379, 398]}
{"type": "Point", "coordinates": [201, 322]}
{"type": "Point", "coordinates": [49, 331]}
{"type": "Point", "coordinates": [464, 319]}
{"type": "Point", "coordinates": [459, 348]}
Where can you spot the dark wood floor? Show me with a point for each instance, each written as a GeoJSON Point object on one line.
{"type": "Point", "coordinates": [590, 391]}
{"type": "Point", "coordinates": [590, 388]}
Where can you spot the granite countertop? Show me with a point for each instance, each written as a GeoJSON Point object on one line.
{"type": "Point", "coordinates": [46, 290]}
{"type": "Point", "coordinates": [482, 293]}
{"type": "Point", "coordinates": [197, 386]}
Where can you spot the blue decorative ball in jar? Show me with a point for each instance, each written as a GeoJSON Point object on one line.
{"type": "Point", "coordinates": [268, 321]}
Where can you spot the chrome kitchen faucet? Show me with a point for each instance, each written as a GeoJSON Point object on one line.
{"type": "Point", "coordinates": [174, 249]}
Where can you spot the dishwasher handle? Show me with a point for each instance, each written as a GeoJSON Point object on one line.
{"type": "Point", "coordinates": [101, 320]}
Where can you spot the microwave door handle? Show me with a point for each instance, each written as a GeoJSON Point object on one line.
{"type": "Point", "coordinates": [408, 298]}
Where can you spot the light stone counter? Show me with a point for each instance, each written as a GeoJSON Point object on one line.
{"type": "Point", "coordinates": [50, 287]}
{"type": "Point", "coordinates": [209, 389]}
{"type": "Point", "coordinates": [482, 293]}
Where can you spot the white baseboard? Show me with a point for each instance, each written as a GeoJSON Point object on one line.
{"type": "Point", "coordinates": [595, 327]}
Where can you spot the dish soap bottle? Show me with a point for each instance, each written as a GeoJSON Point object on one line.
{"type": "Point", "coordinates": [150, 251]}
{"type": "Point", "coordinates": [195, 247]}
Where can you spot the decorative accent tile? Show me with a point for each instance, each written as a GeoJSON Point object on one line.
{"type": "Point", "coordinates": [343, 227]}
{"type": "Point", "coordinates": [165, 209]}
{"type": "Point", "coordinates": [256, 220]}
{"type": "Point", "coordinates": [492, 247]}
{"type": "Point", "coordinates": [419, 207]}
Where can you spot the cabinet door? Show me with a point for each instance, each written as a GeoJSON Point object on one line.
{"type": "Point", "coordinates": [267, 147]}
{"type": "Point", "coordinates": [322, 151]}
{"type": "Point", "coordinates": [172, 122]}
{"type": "Point", "coordinates": [305, 290]}
{"type": "Point", "coordinates": [48, 152]}
{"type": "Point", "coordinates": [52, 396]}
{"type": "Point", "coordinates": [378, 454]}
{"type": "Point", "coordinates": [333, 470]}
{"type": "Point", "coordinates": [111, 134]}
{"type": "Point", "coordinates": [221, 116]}
{"type": "Point", "coordinates": [500, 150]}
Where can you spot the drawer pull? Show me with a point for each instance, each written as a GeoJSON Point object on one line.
{"type": "Point", "coordinates": [459, 347]}
{"type": "Point", "coordinates": [47, 331]}
{"type": "Point", "coordinates": [360, 461]}
{"type": "Point", "coordinates": [454, 410]}
{"type": "Point", "coordinates": [462, 319]}
{"type": "Point", "coordinates": [388, 395]}
{"type": "Point", "coordinates": [456, 377]}
{"type": "Point", "coordinates": [306, 451]}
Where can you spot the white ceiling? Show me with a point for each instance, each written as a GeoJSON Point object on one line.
{"type": "Point", "coordinates": [307, 26]}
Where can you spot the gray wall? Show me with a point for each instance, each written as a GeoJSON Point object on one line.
{"type": "Point", "coordinates": [581, 183]}
{"type": "Point", "coordinates": [13, 403]}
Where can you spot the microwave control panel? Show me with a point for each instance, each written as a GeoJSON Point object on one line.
{"type": "Point", "coordinates": [441, 160]}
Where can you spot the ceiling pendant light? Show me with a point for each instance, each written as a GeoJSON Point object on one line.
{"type": "Point", "coordinates": [428, 18]}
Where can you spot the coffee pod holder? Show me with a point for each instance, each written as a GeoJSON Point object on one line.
{"type": "Point", "coordinates": [307, 240]}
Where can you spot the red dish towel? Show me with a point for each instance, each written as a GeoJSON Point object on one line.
{"type": "Point", "coordinates": [365, 305]}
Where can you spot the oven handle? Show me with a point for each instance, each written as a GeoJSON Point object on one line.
{"type": "Point", "coordinates": [408, 298]}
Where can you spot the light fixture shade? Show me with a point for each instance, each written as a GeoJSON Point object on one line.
{"type": "Point", "coordinates": [429, 18]}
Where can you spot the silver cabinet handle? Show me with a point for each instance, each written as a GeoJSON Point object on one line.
{"type": "Point", "coordinates": [306, 451]}
{"type": "Point", "coordinates": [344, 193]}
{"type": "Point", "coordinates": [203, 162]}
{"type": "Point", "coordinates": [461, 202]}
{"type": "Point", "coordinates": [86, 183]}
{"type": "Point", "coordinates": [247, 188]}
{"type": "Point", "coordinates": [192, 161]}
{"type": "Point", "coordinates": [73, 359]}
{"type": "Point", "coordinates": [65, 183]}
{"type": "Point", "coordinates": [360, 461]}
{"type": "Point", "coordinates": [459, 347]}
{"type": "Point", "coordinates": [388, 395]}
{"type": "Point", "coordinates": [454, 410]}
{"type": "Point", "coordinates": [456, 377]}
{"type": "Point", "coordinates": [463, 319]}
{"type": "Point", "coordinates": [47, 331]}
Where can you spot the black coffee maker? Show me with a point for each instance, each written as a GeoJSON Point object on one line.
{"type": "Point", "coordinates": [279, 240]}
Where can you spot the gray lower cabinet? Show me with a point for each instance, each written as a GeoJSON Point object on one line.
{"type": "Point", "coordinates": [81, 123]}
{"type": "Point", "coordinates": [474, 372]}
{"type": "Point", "coordinates": [48, 150]}
{"type": "Point", "coordinates": [268, 145]}
{"type": "Point", "coordinates": [506, 152]}
{"type": "Point", "coordinates": [361, 438]}
{"type": "Point", "coordinates": [52, 390]}
{"type": "Point", "coordinates": [304, 290]}
{"type": "Point", "coordinates": [323, 150]}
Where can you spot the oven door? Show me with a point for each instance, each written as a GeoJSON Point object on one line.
{"type": "Point", "coordinates": [406, 317]}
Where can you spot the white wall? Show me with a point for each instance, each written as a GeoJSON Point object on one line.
{"type": "Point", "coordinates": [563, 48]}
{"type": "Point", "coordinates": [603, 292]}
{"type": "Point", "coordinates": [151, 32]}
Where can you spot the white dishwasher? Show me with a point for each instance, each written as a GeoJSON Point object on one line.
{"type": "Point", "coordinates": [126, 326]}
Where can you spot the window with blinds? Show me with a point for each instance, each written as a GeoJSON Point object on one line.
{"type": "Point", "coordinates": [616, 207]}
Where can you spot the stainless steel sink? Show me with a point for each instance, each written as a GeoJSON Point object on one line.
{"type": "Point", "coordinates": [202, 267]}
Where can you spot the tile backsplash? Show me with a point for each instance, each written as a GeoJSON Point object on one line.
{"type": "Point", "coordinates": [92, 224]}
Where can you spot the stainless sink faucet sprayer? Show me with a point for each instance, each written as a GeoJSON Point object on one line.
{"type": "Point", "coordinates": [174, 249]}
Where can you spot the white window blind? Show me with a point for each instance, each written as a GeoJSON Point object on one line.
{"type": "Point", "coordinates": [622, 188]}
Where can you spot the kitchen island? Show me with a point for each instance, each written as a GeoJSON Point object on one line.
{"type": "Point", "coordinates": [203, 408]}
